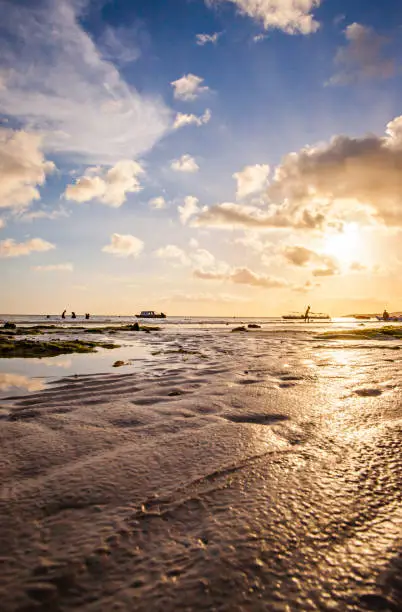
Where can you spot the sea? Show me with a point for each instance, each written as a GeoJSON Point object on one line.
{"type": "Point", "coordinates": [139, 352]}
{"type": "Point", "coordinates": [182, 321]}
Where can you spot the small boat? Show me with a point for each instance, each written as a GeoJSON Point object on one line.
{"type": "Point", "coordinates": [390, 319]}
{"type": "Point", "coordinates": [312, 316]}
{"type": "Point", "coordinates": [150, 314]}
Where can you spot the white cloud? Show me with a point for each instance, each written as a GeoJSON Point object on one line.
{"type": "Point", "coordinates": [173, 253]}
{"type": "Point", "coordinates": [242, 276]}
{"type": "Point", "coordinates": [10, 248]}
{"type": "Point", "coordinates": [301, 256]}
{"type": "Point", "coordinates": [188, 87]}
{"type": "Point", "coordinates": [251, 180]}
{"type": "Point", "coordinates": [58, 82]}
{"type": "Point", "coordinates": [66, 267]}
{"type": "Point", "coordinates": [183, 119]}
{"type": "Point", "coordinates": [254, 241]}
{"type": "Point", "coordinates": [306, 287]}
{"type": "Point", "coordinates": [185, 163]}
{"type": "Point", "coordinates": [259, 38]}
{"type": "Point", "coordinates": [206, 267]}
{"type": "Point", "coordinates": [205, 297]}
{"type": "Point", "coordinates": [326, 271]}
{"type": "Point", "coordinates": [203, 39]}
{"type": "Point", "coordinates": [22, 166]}
{"type": "Point", "coordinates": [362, 57]}
{"type": "Point", "coordinates": [109, 187]}
{"type": "Point", "coordinates": [124, 245]}
{"type": "Point", "coordinates": [325, 185]}
{"type": "Point", "coordinates": [198, 258]}
{"type": "Point", "coordinates": [209, 274]}
{"type": "Point", "coordinates": [203, 258]}
{"type": "Point", "coordinates": [158, 202]}
{"type": "Point", "coordinates": [291, 16]}
{"type": "Point", "coordinates": [229, 215]}
{"type": "Point", "coordinates": [117, 44]}
{"type": "Point", "coordinates": [356, 266]}
{"type": "Point", "coordinates": [43, 214]}
{"type": "Point", "coordinates": [189, 209]}
{"type": "Point", "coordinates": [339, 18]}
{"type": "Point", "coordinates": [343, 175]}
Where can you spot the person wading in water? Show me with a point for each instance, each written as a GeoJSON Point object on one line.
{"type": "Point", "coordinates": [306, 314]}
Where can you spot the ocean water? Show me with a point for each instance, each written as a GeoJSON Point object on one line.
{"type": "Point", "coordinates": [140, 352]}
{"type": "Point", "coordinates": [182, 321]}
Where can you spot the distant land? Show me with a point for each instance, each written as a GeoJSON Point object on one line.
{"type": "Point", "coordinates": [373, 315]}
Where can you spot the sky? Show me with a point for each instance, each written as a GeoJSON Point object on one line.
{"type": "Point", "coordinates": [200, 157]}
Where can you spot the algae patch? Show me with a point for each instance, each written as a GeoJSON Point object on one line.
{"type": "Point", "coordinates": [118, 328]}
{"type": "Point", "coordinates": [377, 333]}
{"type": "Point", "coordinates": [10, 347]}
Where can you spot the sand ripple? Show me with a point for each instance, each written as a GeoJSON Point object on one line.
{"type": "Point", "coordinates": [239, 473]}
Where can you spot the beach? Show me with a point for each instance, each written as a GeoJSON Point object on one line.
{"type": "Point", "coordinates": [213, 470]}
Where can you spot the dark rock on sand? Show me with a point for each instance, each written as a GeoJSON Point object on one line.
{"type": "Point", "coordinates": [9, 325]}
{"type": "Point", "coordinates": [239, 329]}
{"type": "Point", "coordinates": [253, 326]}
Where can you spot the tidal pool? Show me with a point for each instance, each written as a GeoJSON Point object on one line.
{"type": "Point", "coordinates": [20, 376]}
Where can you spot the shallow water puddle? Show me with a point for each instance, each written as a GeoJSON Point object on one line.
{"type": "Point", "coordinates": [21, 376]}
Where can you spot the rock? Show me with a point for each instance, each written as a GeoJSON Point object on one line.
{"type": "Point", "coordinates": [9, 325]}
{"type": "Point", "coordinates": [134, 327]}
{"type": "Point", "coordinates": [119, 363]}
{"type": "Point", "coordinates": [239, 329]}
{"type": "Point", "coordinates": [253, 326]}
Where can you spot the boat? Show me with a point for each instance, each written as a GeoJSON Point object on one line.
{"type": "Point", "coordinates": [390, 319]}
{"type": "Point", "coordinates": [150, 314]}
{"type": "Point", "coordinates": [312, 316]}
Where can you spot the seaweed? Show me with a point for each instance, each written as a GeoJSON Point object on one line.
{"type": "Point", "coordinates": [376, 333]}
{"type": "Point", "coordinates": [114, 328]}
{"type": "Point", "coordinates": [10, 347]}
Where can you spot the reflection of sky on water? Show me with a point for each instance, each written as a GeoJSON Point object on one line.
{"type": "Point", "coordinates": [54, 362]}
{"type": "Point", "coordinates": [31, 374]}
{"type": "Point", "coordinates": [17, 381]}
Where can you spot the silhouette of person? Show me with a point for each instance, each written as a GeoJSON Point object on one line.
{"type": "Point", "coordinates": [87, 315]}
{"type": "Point", "coordinates": [63, 314]}
{"type": "Point", "coordinates": [73, 315]}
{"type": "Point", "coordinates": [306, 314]}
{"type": "Point", "coordinates": [385, 315]}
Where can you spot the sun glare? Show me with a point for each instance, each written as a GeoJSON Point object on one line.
{"type": "Point", "coordinates": [346, 246]}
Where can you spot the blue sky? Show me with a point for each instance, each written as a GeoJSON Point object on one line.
{"type": "Point", "coordinates": [145, 155]}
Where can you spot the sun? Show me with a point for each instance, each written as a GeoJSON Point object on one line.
{"type": "Point", "coordinates": [346, 245]}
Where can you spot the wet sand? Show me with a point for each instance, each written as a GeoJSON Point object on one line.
{"type": "Point", "coordinates": [257, 471]}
